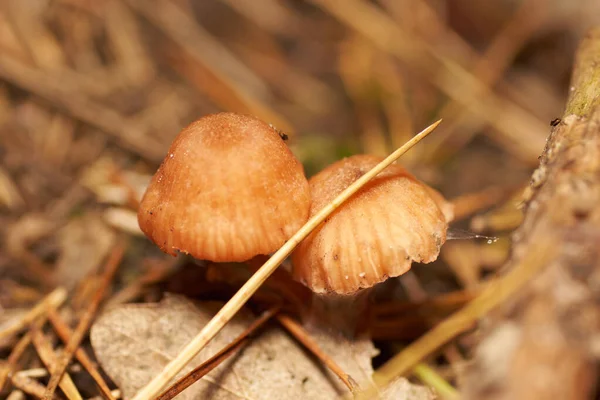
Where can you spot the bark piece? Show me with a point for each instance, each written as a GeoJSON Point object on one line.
{"type": "Point", "coordinates": [544, 344]}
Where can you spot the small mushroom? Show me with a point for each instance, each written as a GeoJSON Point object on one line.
{"type": "Point", "coordinates": [389, 223]}
{"type": "Point", "coordinates": [228, 190]}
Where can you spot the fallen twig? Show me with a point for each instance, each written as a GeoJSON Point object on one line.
{"type": "Point", "coordinates": [50, 360]}
{"type": "Point", "coordinates": [110, 269]}
{"type": "Point", "coordinates": [65, 334]}
{"type": "Point", "coordinates": [52, 300]}
{"type": "Point", "coordinates": [303, 337]}
{"type": "Point", "coordinates": [13, 358]}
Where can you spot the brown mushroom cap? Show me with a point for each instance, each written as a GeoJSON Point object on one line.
{"type": "Point", "coordinates": [389, 223]}
{"type": "Point", "coordinates": [228, 190]}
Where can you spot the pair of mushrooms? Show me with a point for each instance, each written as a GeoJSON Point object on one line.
{"type": "Point", "coordinates": [230, 189]}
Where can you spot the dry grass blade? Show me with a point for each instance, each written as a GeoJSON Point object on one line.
{"type": "Point", "coordinates": [65, 334]}
{"type": "Point", "coordinates": [243, 295]}
{"type": "Point", "coordinates": [303, 337]}
{"type": "Point", "coordinates": [513, 123]}
{"type": "Point", "coordinates": [181, 27]}
{"type": "Point", "coordinates": [50, 360]}
{"type": "Point", "coordinates": [86, 320]}
{"type": "Point", "coordinates": [464, 319]}
{"type": "Point", "coordinates": [489, 69]}
{"type": "Point", "coordinates": [53, 300]}
{"type": "Point", "coordinates": [213, 362]}
{"type": "Point", "coordinates": [429, 376]}
{"type": "Point", "coordinates": [228, 74]}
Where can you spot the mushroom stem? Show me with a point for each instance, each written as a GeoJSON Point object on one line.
{"type": "Point", "coordinates": [238, 300]}
{"type": "Point", "coordinates": [344, 314]}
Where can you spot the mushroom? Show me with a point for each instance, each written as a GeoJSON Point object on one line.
{"type": "Point", "coordinates": [389, 223]}
{"type": "Point", "coordinates": [228, 190]}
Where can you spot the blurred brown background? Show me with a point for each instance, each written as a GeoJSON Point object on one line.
{"type": "Point", "coordinates": [93, 92]}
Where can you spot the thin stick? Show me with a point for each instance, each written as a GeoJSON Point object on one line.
{"type": "Point", "coordinates": [241, 297]}
{"type": "Point", "coordinates": [13, 358]}
{"type": "Point", "coordinates": [86, 320]}
{"type": "Point", "coordinates": [213, 362]}
{"type": "Point", "coordinates": [50, 360]}
{"type": "Point", "coordinates": [65, 333]}
{"type": "Point", "coordinates": [303, 337]}
{"type": "Point", "coordinates": [52, 300]}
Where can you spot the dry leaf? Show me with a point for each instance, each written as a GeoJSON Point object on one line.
{"type": "Point", "coordinates": [134, 342]}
